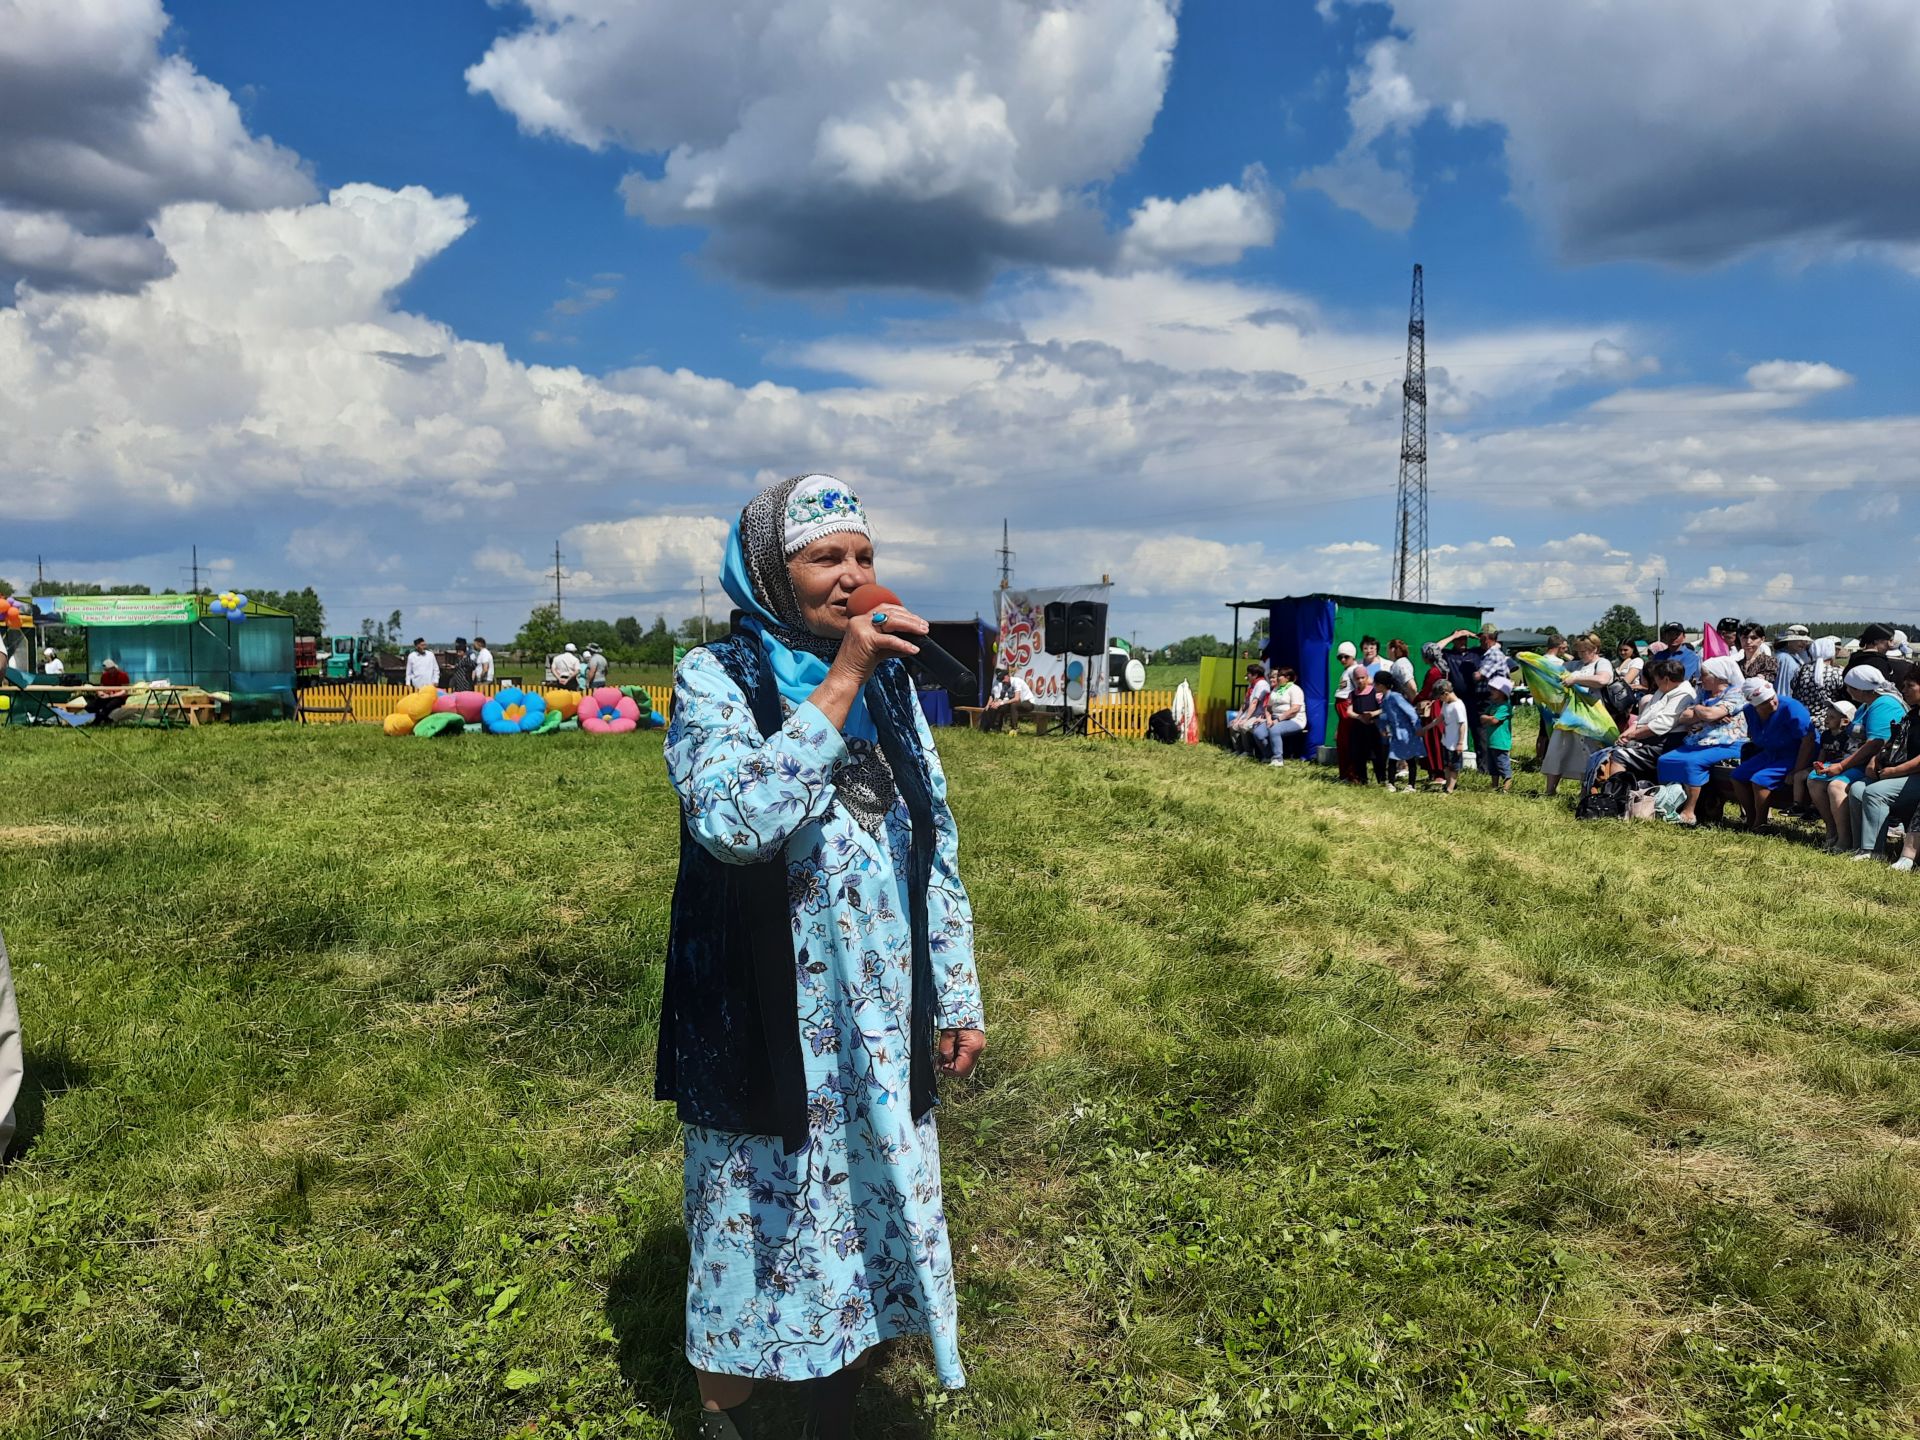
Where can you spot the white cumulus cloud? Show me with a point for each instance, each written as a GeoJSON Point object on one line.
{"type": "Point", "coordinates": [1797, 376]}
{"type": "Point", "coordinates": [1209, 227]}
{"type": "Point", "coordinates": [99, 130]}
{"type": "Point", "coordinates": [1690, 133]}
{"type": "Point", "coordinates": [853, 142]}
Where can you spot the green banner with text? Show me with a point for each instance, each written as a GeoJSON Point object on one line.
{"type": "Point", "coordinates": [129, 609]}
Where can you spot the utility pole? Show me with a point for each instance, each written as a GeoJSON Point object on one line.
{"type": "Point", "coordinates": [1657, 593]}
{"type": "Point", "coordinates": [1006, 558]}
{"type": "Point", "coordinates": [703, 609]}
{"type": "Point", "coordinates": [39, 572]}
{"type": "Point", "coordinates": [1410, 518]}
{"type": "Point", "coordinates": [558, 614]}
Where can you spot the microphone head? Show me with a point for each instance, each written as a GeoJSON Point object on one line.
{"type": "Point", "coordinates": [871, 597]}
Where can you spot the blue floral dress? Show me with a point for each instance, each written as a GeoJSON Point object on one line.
{"type": "Point", "coordinates": [801, 1262]}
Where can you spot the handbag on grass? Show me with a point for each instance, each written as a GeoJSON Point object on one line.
{"type": "Point", "coordinates": [1640, 801]}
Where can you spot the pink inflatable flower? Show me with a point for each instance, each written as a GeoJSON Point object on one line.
{"type": "Point", "coordinates": [607, 712]}
{"type": "Point", "coordinates": [467, 704]}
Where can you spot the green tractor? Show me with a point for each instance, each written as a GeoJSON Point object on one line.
{"type": "Point", "coordinates": [348, 657]}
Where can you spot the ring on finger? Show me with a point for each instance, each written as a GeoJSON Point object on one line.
{"type": "Point", "coordinates": [879, 618]}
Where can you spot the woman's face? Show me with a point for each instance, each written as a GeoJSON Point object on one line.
{"type": "Point", "coordinates": [1910, 690]}
{"type": "Point", "coordinates": [1860, 698]}
{"type": "Point", "coordinates": [825, 574]}
{"type": "Point", "coordinates": [1711, 683]}
{"type": "Point", "coordinates": [1584, 652]}
{"type": "Point", "coordinates": [1627, 651]}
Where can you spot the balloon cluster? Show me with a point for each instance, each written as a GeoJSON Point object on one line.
{"type": "Point", "coordinates": [231, 604]}
{"type": "Point", "coordinates": [12, 614]}
{"type": "Point", "coordinates": [513, 711]}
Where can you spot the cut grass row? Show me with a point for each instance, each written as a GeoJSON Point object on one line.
{"type": "Point", "coordinates": [1309, 1111]}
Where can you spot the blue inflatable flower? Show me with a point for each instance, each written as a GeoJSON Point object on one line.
{"type": "Point", "coordinates": [514, 711]}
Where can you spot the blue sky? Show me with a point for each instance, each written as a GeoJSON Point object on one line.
{"type": "Point", "coordinates": [1135, 278]}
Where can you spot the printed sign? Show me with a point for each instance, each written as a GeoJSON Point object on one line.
{"type": "Point", "coordinates": [1023, 646]}
{"type": "Point", "coordinates": [125, 609]}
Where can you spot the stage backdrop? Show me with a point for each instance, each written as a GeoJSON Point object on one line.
{"type": "Point", "coordinates": [1023, 621]}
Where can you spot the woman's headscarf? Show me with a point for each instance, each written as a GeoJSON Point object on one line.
{"type": "Point", "coordinates": [1726, 670]}
{"type": "Point", "coordinates": [754, 575]}
{"type": "Point", "coordinates": [1870, 680]}
{"type": "Point", "coordinates": [1821, 654]}
{"type": "Point", "coordinates": [1430, 652]}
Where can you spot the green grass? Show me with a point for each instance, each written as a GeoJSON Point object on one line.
{"type": "Point", "coordinates": [1309, 1111]}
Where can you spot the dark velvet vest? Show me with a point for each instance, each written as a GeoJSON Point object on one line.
{"type": "Point", "coordinates": [729, 1053]}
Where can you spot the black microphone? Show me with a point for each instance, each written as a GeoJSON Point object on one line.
{"type": "Point", "coordinates": [936, 664]}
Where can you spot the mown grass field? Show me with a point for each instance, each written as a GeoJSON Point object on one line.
{"type": "Point", "coordinates": [1309, 1112]}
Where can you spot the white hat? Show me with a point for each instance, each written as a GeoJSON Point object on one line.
{"type": "Point", "coordinates": [820, 505]}
{"type": "Point", "coordinates": [1346, 650]}
{"type": "Point", "coordinates": [571, 648]}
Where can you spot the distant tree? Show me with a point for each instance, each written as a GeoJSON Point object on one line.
{"type": "Point", "coordinates": [1191, 649]}
{"type": "Point", "coordinates": [383, 635]}
{"type": "Point", "coordinates": [656, 646]}
{"type": "Point", "coordinates": [5, 590]}
{"type": "Point", "coordinates": [86, 587]}
{"type": "Point", "coordinates": [1621, 622]}
{"type": "Point", "coordinates": [309, 615]}
{"type": "Point", "coordinates": [693, 631]}
{"type": "Point", "coordinates": [543, 634]}
{"type": "Point", "coordinates": [1257, 637]}
{"type": "Point", "coordinates": [627, 631]}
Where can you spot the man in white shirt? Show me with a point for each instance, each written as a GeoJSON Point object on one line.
{"type": "Point", "coordinates": [565, 668]}
{"type": "Point", "coordinates": [423, 666]}
{"type": "Point", "coordinates": [54, 665]}
{"type": "Point", "coordinates": [482, 662]}
{"type": "Point", "coordinates": [1010, 701]}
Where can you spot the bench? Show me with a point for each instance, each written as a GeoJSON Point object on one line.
{"type": "Point", "coordinates": [976, 715]}
{"type": "Point", "coordinates": [303, 708]}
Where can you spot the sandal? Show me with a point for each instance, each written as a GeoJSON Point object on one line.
{"type": "Point", "coordinates": [720, 1425]}
{"type": "Point", "coordinates": [1677, 819]}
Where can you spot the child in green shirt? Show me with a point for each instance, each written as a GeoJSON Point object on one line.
{"type": "Point", "coordinates": [1496, 732]}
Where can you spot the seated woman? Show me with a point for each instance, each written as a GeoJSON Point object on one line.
{"type": "Point", "coordinates": [1287, 705]}
{"type": "Point", "coordinates": [1247, 726]}
{"type": "Point", "coordinates": [1716, 731]}
{"type": "Point", "coordinates": [1400, 719]}
{"type": "Point", "coordinates": [1654, 728]}
{"type": "Point", "coordinates": [1630, 668]}
{"type": "Point", "coordinates": [1876, 710]}
{"type": "Point", "coordinates": [1777, 723]}
{"type": "Point", "coordinates": [1567, 750]}
{"type": "Point", "coordinates": [1756, 653]}
{"type": "Point", "coordinates": [113, 690]}
{"type": "Point", "coordinates": [1891, 790]}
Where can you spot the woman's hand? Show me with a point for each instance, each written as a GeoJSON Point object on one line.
{"type": "Point", "coordinates": [960, 1051]}
{"type": "Point", "coordinates": [866, 644]}
{"type": "Point", "coordinates": [862, 648]}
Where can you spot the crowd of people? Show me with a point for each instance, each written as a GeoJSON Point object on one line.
{"type": "Point", "coordinates": [1781, 723]}
{"type": "Point", "coordinates": [469, 666]}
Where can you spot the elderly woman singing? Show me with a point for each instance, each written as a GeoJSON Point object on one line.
{"type": "Point", "coordinates": [820, 971]}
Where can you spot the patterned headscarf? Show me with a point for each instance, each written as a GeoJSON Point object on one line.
{"type": "Point", "coordinates": [754, 575]}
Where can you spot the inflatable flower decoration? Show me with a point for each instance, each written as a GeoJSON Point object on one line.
{"type": "Point", "coordinates": [514, 711]}
{"type": "Point", "coordinates": [230, 603]}
{"type": "Point", "coordinates": [607, 712]}
{"type": "Point", "coordinates": [566, 702]}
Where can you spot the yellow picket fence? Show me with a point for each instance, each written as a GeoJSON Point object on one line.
{"type": "Point", "coordinates": [1120, 717]}
{"type": "Point", "coordinates": [371, 704]}
{"type": "Point", "coordinates": [1125, 716]}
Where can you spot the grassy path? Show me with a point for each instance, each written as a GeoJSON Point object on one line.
{"type": "Point", "coordinates": [1309, 1112]}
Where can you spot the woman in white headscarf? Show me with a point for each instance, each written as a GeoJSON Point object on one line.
{"type": "Point", "coordinates": [1717, 731]}
{"type": "Point", "coordinates": [1813, 686]}
{"type": "Point", "coordinates": [1877, 708]}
